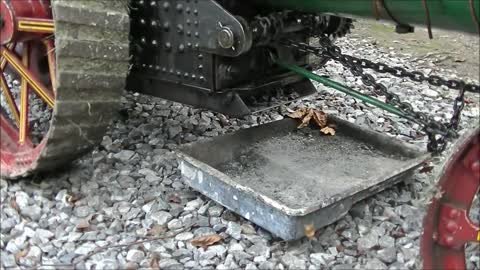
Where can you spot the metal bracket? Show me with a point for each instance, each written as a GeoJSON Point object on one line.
{"type": "Point", "coordinates": [221, 32]}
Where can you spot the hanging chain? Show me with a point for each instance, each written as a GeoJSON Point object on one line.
{"type": "Point", "coordinates": [438, 133]}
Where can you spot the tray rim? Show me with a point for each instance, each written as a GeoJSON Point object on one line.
{"type": "Point", "coordinates": [409, 164]}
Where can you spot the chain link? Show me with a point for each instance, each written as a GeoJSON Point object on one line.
{"type": "Point", "coordinates": [438, 133]}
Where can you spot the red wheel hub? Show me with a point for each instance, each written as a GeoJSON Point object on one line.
{"type": "Point", "coordinates": [22, 19]}
{"type": "Point", "coordinates": [27, 54]}
{"type": "Point", "coordinates": [447, 226]}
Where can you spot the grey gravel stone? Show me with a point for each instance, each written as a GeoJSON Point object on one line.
{"type": "Point", "coordinates": [161, 217]}
{"type": "Point", "coordinates": [293, 262]}
{"type": "Point", "coordinates": [234, 230]}
{"type": "Point", "coordinates": [135, 255]}
{"type": "Point", "coordinates": [388, 255]}
{"type": "Point", "coordinates": [34, 212]}
{"type": "Point", "coordinates": [184, 236]}
{"type": "Point", "coordinates": [85, 248]}
{"type": "Point", "coordinates": [368, 241]}
{"type": "Point", "coordinates": [375, 264]}
{"type": "Point", "coordinates": [107, 264]}
{"type": "Point", "coordinates": [8, 260]}
{"type": "Point", "coordinates": [124, 155]}
{"type": "Point", "coordinates": [321, 259]}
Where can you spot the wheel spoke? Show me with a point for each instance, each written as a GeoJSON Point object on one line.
{"type": "Point", "coordinates": [10, 100]}
{"type": "Point", "coordinates": [51, 63]}
{"type": "Point", "coordinates": [24, 97]}
{"type": "Point", "coordinates": [3, 61]}
{"type": "Point", "coordinates": [35, 25]}
{"type": "Point", "coordinates": [8, 133]}
{"type": "Point", "coordinates": [36, 85]}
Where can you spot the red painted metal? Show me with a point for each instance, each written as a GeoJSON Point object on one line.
{"type": "Point", "coordinates": [447, 227]}
{"type": "Point", "coordinates": [17, 157]}
{"type": "Point", "coordinates": [12, 10]}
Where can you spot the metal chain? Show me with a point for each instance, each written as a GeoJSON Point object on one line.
{"type": "Point", "coordinates": [438, 133]}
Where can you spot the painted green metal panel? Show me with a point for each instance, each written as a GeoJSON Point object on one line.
{"type": "Point", "coordinates": [449, 14]}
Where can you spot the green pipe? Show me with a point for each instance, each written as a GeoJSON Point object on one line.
{"type": "Point", "coordinates": [344, 89]}
{"type": "Point", "coordinates": [448, 14]}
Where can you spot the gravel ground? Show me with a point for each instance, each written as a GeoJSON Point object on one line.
{"type": "Point", "coordinates": [125, 205]}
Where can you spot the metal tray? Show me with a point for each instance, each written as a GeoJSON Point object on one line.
{"type": "Point", "coordinates": [283, 178]}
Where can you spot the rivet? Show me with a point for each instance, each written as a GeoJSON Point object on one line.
{"type": "Point", "coordinates": [179, 28]}
{"type": "Point", "coordinates": [181, 48]}
{"type": "Point", "coordinates": [476, 167]}
{"type": "Point", "coordinates": [451, 226]}
{"type": "Point", "coordinates": [454, 213]}
{"type": "Point", "coordinates": [168, 46]}
{"type": "Point", "coordinates": [166, 26]}
{"type": "Point", "coordinates": [166, 6]}
{"type": "Point", "coordinates": [179, 7]}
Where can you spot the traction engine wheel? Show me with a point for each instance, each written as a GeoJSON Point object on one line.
{"type": "Point", "coordinates": [70, 59]}
{"type": "Point", "coordinates": [447, 226]}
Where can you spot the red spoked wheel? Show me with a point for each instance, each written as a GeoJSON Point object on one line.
{"type": "Point", "coordinates": [447, 226]}
{"type": "Point", "coordinates": [27, 55]}
{"type": "Point", "coordinates": [70, 59]}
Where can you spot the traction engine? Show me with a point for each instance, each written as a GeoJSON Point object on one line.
{"type": "Point", "coordinates": [65, 64]}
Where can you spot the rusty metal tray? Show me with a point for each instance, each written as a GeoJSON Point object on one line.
{"type": "Point", "coordinates": [283, 178]}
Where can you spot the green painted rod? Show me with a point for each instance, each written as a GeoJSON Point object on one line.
{"type": "Point", "coordinates": [356, 94]}
{"type": "Point", "coordinates": [447, 14]}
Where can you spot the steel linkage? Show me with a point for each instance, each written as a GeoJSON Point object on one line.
{"type": "Point", "coordinates": [437, 132]}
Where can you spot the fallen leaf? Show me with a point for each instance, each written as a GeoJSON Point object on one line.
{"type": "Point", "coordinates": [426, 169]}
{"type": "Point", "coordinates": [157, 230]}
{"type": "Point", "coordinates": [13, 203]}
{"type": "Point", "coordinates": [153, 263]}
{"type": "Point", "coordinates": [207, 240]}
{"type": "Point", "coordinates": [298, 113]}
{"type": "Point", "coordinates": [328, 131]}
{"type": "Point", "coordinates": [174, 198]}
{"type": "Point", "coordinates": [21, 254]}
{"type": "Point", "coordinates": [309, 231]}
{"type": "Point", "coordinates": [320, 118]}
{"type": "Point", "coordinates": [84, 224]}
{"type": "Point", "coordinates": [130, 266]}
{"type": "Point", "coordinates": [72, 198]}
{"type": "Point", "coordinates": [306, 119]}
{"type": "Point", "coordinates": [307, 114]}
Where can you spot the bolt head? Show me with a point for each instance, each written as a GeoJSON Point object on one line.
{"type": "Point", "coordinates": [225, 38]}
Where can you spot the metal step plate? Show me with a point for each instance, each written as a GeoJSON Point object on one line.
{"type": "Point", "coordinates": [283, 178]}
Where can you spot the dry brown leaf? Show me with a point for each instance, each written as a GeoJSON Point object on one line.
{"type": "Point", "coordinates": [157, 230]}
{"type": "Point", "coordinates": [174, 198]}
{"type": "Point", "coordinates": [298, 113]}
{"type": "Point", "coordinates": [21, 254]}
{"type": "Point", "coordinates": [84, 223]}
{"type": "Point", "coordinates": [207, 240]}
{"type": "Point", "coordinates": [130, 266]}
{"type": "Point", "coordinates": [153, 263]}
{"type": "Point", "coordinates": [306, 119]}
{"type": "Point", "coordinates": [320, 118]}
{"type": "Point", "coordinates": [13, 203]}
{"type": "Point", "coordinates": [328, 131]}
{"type": "Point", "coordinates": [307, 114]}
{"type": "Point", "coordinates": [72, 198]}
{"type": "Point", "coordinates": [309, 231]}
